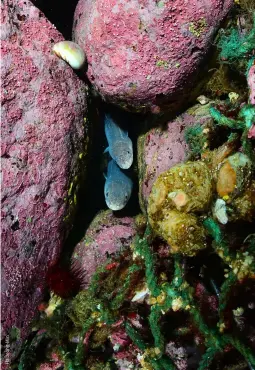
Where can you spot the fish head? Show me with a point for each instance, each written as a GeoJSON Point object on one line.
{"type": "Point", "coordinates": [122, 152]}
{"type": "Point", "coordinates": [117, 194]}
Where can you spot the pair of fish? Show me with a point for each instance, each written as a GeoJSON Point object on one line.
{"type": "Point", "coordinates": [118, 186]}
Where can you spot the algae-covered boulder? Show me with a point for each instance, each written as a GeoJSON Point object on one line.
{"type": "Point", "coordinates": [43, 139]}
{"type": "Point", "coordinates": [176, 196]}
{"type": "Point", "coordinates": [163, 147]}
{"type": "Point", "coordinates": [147, 55]}
{"type": "Point", "coordinates": [251, 83]}
{"type": "Point", "coordinates": [106, 236]}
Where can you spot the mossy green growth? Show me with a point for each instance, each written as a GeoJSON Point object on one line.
{"type": "Point", "coordinates": [198, 27]}
{"type": "Point", "coordinates": [243, 122]}
{"type": "Point", "coordinates": [162, 63]}
{"type": "Point", "coordinates": [235, 46]}
{"type": "Point", "coordinates": [161, 4]}
{"type": "Point", "coordinates": [82, 307]}
{"type": "Point", "coordinates": [195, 138]}
{"type": "Point", "coordinates": [14, 334]}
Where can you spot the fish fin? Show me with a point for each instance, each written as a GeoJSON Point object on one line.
{"type": "Point", "coordinates": [106, 150]}
{"type": "Point", "coordinates": [105, 176]}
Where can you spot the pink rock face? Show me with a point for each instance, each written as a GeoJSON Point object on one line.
{"type": "Point", "coordinates": [143, 54]}
{"type": "Point", "coordinates": [160, 149]}
{"type": "Point", "coordinates": [43, 104]}
{"type": "Point", "coordinates": [54, 364]}
{"type": "Point", "coordinates": [251, 83]}
{"type": "Point", "coordinates": [106, 236]}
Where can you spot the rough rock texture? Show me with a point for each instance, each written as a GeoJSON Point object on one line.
{"type": "Point", "coordinates": [251, 83]}
{"type": "Point", "coordinates": [176, 196]}
{"type": "Point", "coordinates": [162, 148]}
{"type": "Point", "coordinates": [146, 55]}
{"type": "Point", "coordinates": [106, 235]}
{"type": "Point", "coordinates": [55, 363]}
{"type": "Point", "coordinates": [43, 104]}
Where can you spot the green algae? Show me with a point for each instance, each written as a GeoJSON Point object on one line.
{"type": "Point", "coordinates": [198, 27]}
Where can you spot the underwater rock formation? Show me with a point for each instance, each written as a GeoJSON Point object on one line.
{"type": "Point", "coordinates": [186, 191]}
{"type": "Point", "coordinates": [43, 104]}
{"type": "Point", "coordinates": [251, 83]}
{"type": "Point", "coordinates": [55, 363]}
{"type": "Point", "coordinates": [175, 196]}
{"type": "Point", "coordinates": [162, 148]}
{"type": "Point", "coordinates": [105, 237]}
{"type": "Point", "coordinates": [147, 55]}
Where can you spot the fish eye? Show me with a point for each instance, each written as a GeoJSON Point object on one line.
{"type": "Point", "coordinates": [107, 194]}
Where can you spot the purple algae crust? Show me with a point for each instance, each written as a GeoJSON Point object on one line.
{"type": "Point", "coordinates": [162, 148]}
{"type": "Point", "coordinates": [43, 141]}
{"type": "Point", "coordinates": [147, 55]}
{"type": "Point", "coordinates": [106, 236]}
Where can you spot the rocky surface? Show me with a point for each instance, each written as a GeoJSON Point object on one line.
{"type": "Point", "coordinates": [176, 196]}
{"type": "Point", "coordinates": [251, 83]}
{"type": "Point", "coordinates": [43, 105]}
{"type": "Point", "coordinates": [146, 55]}
{"type": "Point", "coordinates": [161, 148]}
{"type": "Point", "coordinates": [106, 236]}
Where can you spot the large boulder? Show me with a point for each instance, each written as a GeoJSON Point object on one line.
{"type": "Point", "coordinates": [161, 148]}
{"type": "Point", "coordinates": [251, 83]}
{"type": "Point", "coordinates": [43, 141]}
{"type": "Point", "coordinates": [146, 55]}
{"type": "Point", "coordinates": [107, 236]}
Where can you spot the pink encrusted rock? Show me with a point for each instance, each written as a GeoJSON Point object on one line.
{"type": "Point", "coordinates": [251, 83]}
{"type": "Point", "coordinates": [125, 352]}
{"type": "Point", "coordinates": [43, 136]}
{"type": "Point", "coordinates": [162, 148]}
{"type": "Point", "coordinates": [146, 55]}
{"type": "Point", "coordinates": [107, 235]}
{"type": "Point", "coordinates": [55, 363]}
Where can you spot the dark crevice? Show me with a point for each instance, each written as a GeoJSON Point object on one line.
{"type": "Point", "coordinates": [60, 13]}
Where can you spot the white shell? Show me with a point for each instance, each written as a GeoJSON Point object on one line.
{"type": "Point", "coordinates": [140, 295]}
{"type": "Point", "coordinates": [220, 211]}
{"type": "Point", "coordinates": [202, 99]}
{"type": "Point", "coordinates": [71, 52]}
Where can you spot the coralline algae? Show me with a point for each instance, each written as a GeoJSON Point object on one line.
{"type": "Point", "coordinates": [146, 55]}
{"type": "Point", "coordinates": [43, 105]}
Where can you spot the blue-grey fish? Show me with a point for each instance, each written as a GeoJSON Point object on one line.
{"type": "Point", "coordinates": [118, 187]}
{"type": "Point", "coordinates": [120, 145]}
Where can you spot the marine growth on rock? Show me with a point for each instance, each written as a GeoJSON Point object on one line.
{"type": "Point", "coordinates": [164, 279]}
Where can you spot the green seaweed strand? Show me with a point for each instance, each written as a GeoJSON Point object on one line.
{"type": "Point", "coordinates": [143, 248]}
{"type": "Point", "coordinates": [236, 46]}
{"type": "Point", "coordinates": [225, 121]}
{"type": "Point", "coordinates": [118, 300]}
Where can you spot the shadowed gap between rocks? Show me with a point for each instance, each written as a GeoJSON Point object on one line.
{"type": "Point", "coordinates": [91, 194]}
{"type": "Point", "coordinates": [53, 10]}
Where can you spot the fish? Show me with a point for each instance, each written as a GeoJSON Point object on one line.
{"type": "Point", "coordinates": [118, 187]}
{"type": "Point", "coordinates": [120, 146]}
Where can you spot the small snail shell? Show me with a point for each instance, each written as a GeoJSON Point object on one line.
{"type": "Point", "coordinates": [71, 52]}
